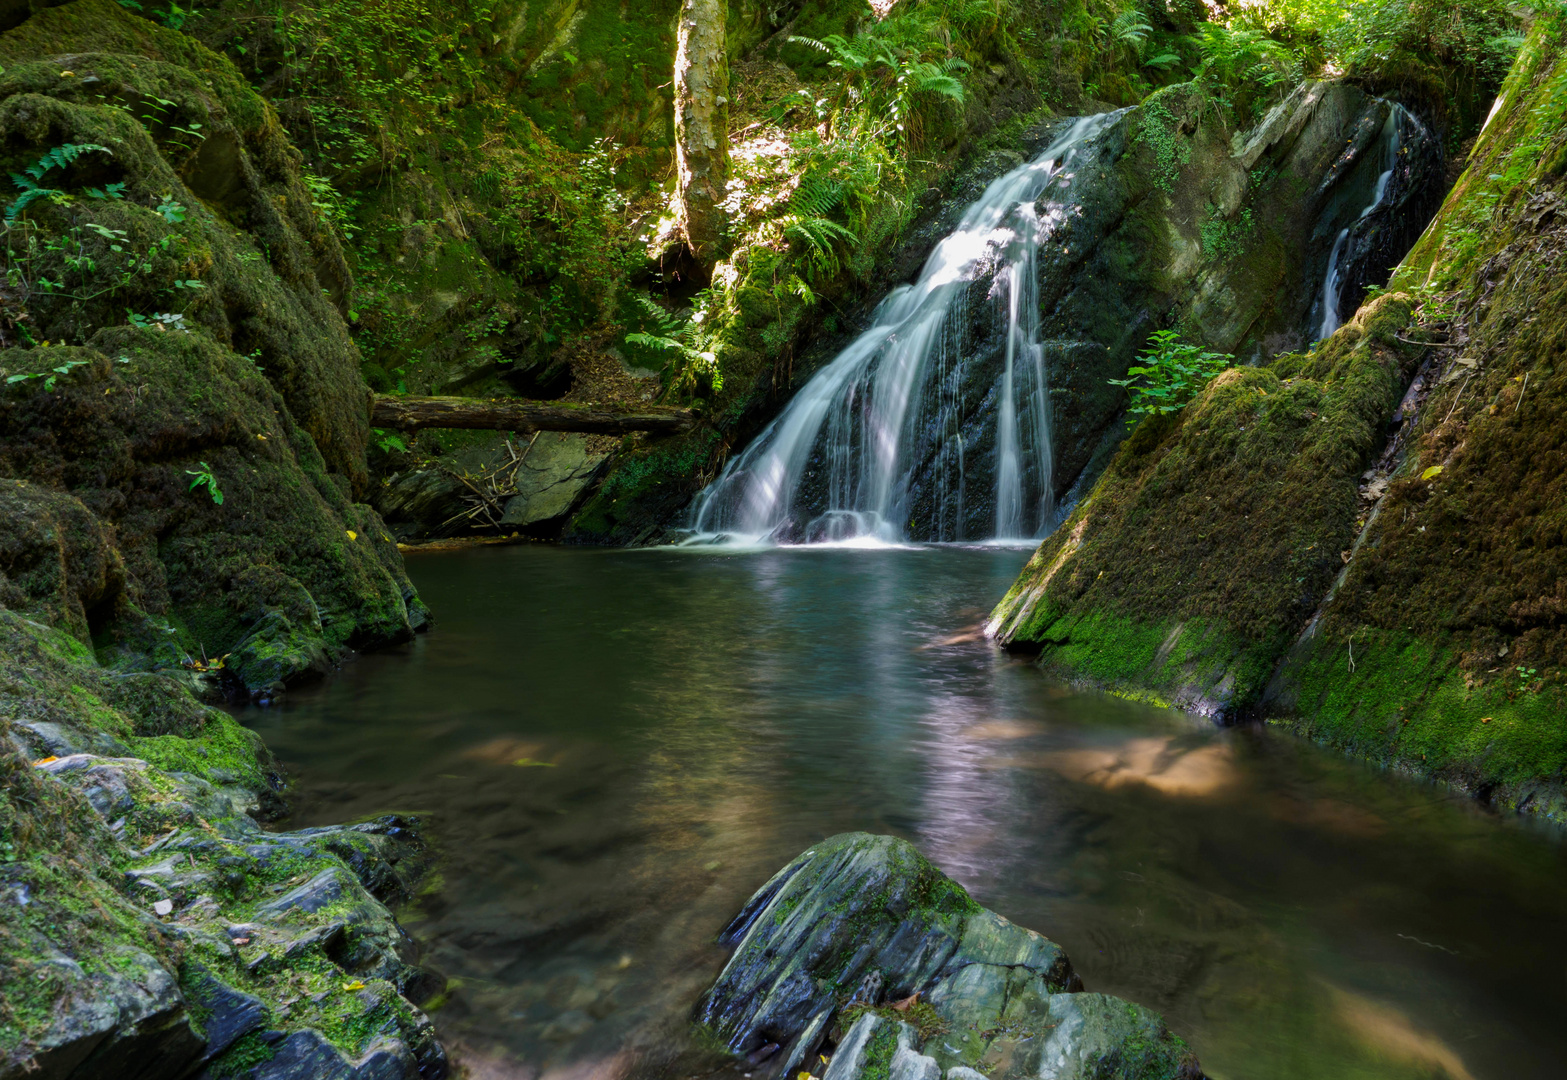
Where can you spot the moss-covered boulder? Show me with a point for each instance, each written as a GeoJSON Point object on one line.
{"type": "Point", "coordinates": [863, 952]}
{"type": "Point", "coordinates": [151, 927]}
{"type": "Point", "coordinates": [182, 404]}
{"type": "Point", "coordinates": [1444, 648]}
{"type": "Point", "coordinates": [211, 193]}
{"type": "Point", "coordinates": [1214, 534]}
{"type": "Point", "coordinates": [195, 504]}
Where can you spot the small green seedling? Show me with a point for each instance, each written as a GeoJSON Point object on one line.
{"type": "Point", "coordinates": [204, 478]}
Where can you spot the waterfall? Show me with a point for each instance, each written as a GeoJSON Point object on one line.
{"type": "Point", "coordinates": [836, 464]}
{"type": "Point", "coordinates": [1390, 144]}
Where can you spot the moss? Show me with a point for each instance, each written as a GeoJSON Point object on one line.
{"type": "Point", "coordinates": [876, 1057]}
{"type": "Point", "coordinates": [244, 1056]}
{"type": "Point", "coordinates": [224, 754]}
{"type": "Point", "coordinates": [1213, 536]}
{"type": "Point", "coordinates": [279, 288]}
{"type": "Point", "coordinates": [1455, 584]}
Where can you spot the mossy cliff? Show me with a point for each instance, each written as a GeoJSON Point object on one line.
{"type": "Point", "coordinates": [183, 424]}
{"type": "Point", "coordinates": [1453, 600]}
{"type": "Point", "coordinates": [1311, 543]}
{"type": "Point", "coordinates": [150, 928]}
{"type": "Point", "coordinates": [1214, 533]}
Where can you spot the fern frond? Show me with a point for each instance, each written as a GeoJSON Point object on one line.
{"type": "Point", "coordinates": [655, 341]}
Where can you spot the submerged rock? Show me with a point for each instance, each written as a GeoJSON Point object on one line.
{"type": "Point", "coordinates": [862, 945]}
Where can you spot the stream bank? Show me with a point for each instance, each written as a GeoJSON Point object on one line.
{"type": "Point", "coordinates": [1361, 542]}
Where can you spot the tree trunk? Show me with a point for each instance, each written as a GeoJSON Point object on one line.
{"type": "Point", "coordinates": [702, 125]}
{"type": "Point", "coordinates": [513, 414]}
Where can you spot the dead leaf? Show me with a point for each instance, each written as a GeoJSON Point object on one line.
{"type": "Point", "coordinates": [46, 760]}
{"type": "Point", "coordinates": [355, 985]}
{"type": "Point", "coordinates": [903, 1006]}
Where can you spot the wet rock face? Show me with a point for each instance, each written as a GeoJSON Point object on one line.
{"type": "Point", "coordinates": [1378, 196]}
{"type": "Point", "coordinates": [863, 951]}
{"type": "Point", "coordinates": [152, 928]}
{"type": "Point", "coordinates": [1166, 217]}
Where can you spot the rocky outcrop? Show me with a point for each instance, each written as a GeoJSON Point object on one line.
{"type": "Point", "coordinates": [152, 929]}
{"type": "Point", "coordinates": [862, 953]}
{"type": "Point", "coordinates": [1212, 536]}
{"type": "Point", "coordinates": [1362, 542]}
{"type": "Point", "coordinates": [1442, 649]}
{"type": "Point", "coordinates": [183, 422]}
{"type": "Point", "coordinates": [528, 486]}
{"type": "Point", "coordinates": [1173, 217]}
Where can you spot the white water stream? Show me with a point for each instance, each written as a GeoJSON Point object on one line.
{"type": "Point", "coordinates": [862, 421]}
{"type": "Point", "coordinates": [1332, 283]}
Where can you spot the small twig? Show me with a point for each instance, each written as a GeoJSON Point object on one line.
{"type": "Point", "coordinates": [1461, 390]}
{"type": "Point", "coordinates": [1352, 654]}
{"type": "Point", "coordinates": [1521, 392]}
{"type": "Point", "coordinates": [1429, 344]}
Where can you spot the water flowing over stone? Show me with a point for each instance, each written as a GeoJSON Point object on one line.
{"type": "Point", "coordinates": [1361, 247]}
{"type": "Point", "coordinates": [879, 428]}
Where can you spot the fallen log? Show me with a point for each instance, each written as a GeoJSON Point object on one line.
{"type": "Point", "coordinates": [515, 414]}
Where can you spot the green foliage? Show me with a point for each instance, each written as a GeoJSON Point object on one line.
{"type": "Point", "coordinates": [1223, 238]}
{"type": "Point", "coordinates": [885, 81]}
{"type": "Point", "coordinates": [1172, 372]}
{"type": "Point", "coordinates": [1244, 69]}
{"type": "Point", "coordinates": [30, 181]}
{"type": "Point", "coordinates": [388, 442]}
{"type": "Point", "coordinates": [83, 262]}
{"type": "Point", "coordinates": [332, 205]}
{"type": "Point", "coordinates": [1446, 55]}
{"type": "Point", "coordinates": [204, 478]}
{"type": "Point", "coordinates": [48, 377]}
{"type": "Point", "coordinates": [1161, 132]}
{"type": "Point", "coordinates": [694, 370]}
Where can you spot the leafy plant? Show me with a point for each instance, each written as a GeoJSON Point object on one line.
{"type": "Point", "coordinates": [1172, 372]}
{"type": "Point", "coordinates": [1242, 68]}
{"type": "Point", "coordinates": [389, 441]}
{"type": "Point", "coordinates": [204, 478]}
{"type": "Point", "coordinates": [30, 181]}
{"type": "Point", "coordinates": [161, 321]}
{"type": "Point", "coordinates": [80, 264]}
{"type": "Point", "coordinates": [1526, 676]}
{"type": "Point", "coordinates": [49, 376]}
{"type": "Point", "coordinates": [677, 340]}
{"type": "Point", "coordinates": [884, 82]}
{"type": "Point", "coordinates": [173, 212]}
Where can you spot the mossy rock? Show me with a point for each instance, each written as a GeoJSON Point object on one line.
{"type": "Point", "coordinates": [1213, 535]}
{"type": "Point", "coordinates": [273, 280]}
{"type": "Point", "coordinates": [159, 928]}
{"type": "Point", "coordinates": [862, 936]}
{"type": "Point", "coordinates": [1443, 650]}
{"type": "Point", "coordinates": [129, 438]}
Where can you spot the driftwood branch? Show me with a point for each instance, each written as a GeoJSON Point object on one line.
{"type": "Point", "coordinates": [513, 414]}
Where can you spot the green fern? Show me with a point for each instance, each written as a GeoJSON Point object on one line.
{"type": "Point", "coordinates": [30, 180]}
{"type": "Point", "coordinates": [819, 238]}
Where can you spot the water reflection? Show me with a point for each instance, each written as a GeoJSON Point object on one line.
{"type": "Point", "coordinates": [615, 748]}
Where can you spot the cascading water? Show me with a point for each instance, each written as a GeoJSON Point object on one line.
{"type": "Point", "coordinates": [857, 428]}
{"type": "Point", "coordinates": [1399, 122]}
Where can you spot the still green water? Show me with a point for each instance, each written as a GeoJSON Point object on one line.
{"type": "Point", "coordinates": [612, 749]}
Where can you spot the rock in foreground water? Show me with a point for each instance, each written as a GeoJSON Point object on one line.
{"type": "Point", "coordinates": [863, 954]}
